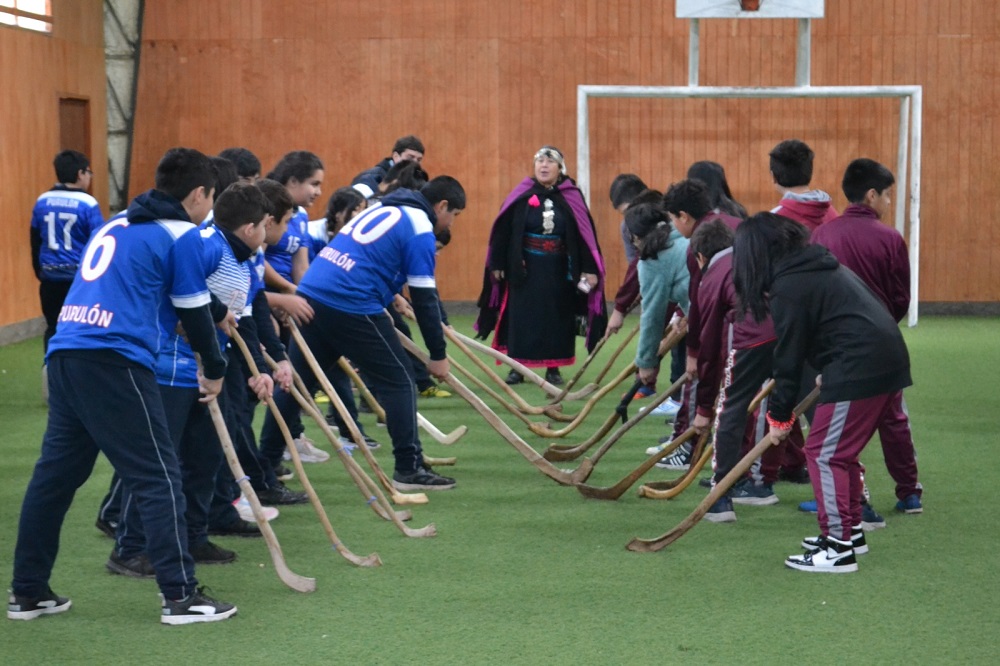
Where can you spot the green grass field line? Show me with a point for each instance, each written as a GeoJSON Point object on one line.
{"type": "Point", "coordinates": [524, 571]}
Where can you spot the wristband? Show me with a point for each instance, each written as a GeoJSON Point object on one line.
{"type": "Point", "coordinates": [780, 425]}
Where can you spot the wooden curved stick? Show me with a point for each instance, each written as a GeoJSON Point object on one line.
{"type": "Point", "coordinates": [567, 452]}
{"type": "Point", "coordinates": [701, 455]}
{"type": "Point", "coordinates": [287, 576]}
{"type": "Point", "coordinates": [440, 461]}
{"type": "Point", "coordinates": [560, 453]}
{"type": "Point", "coordinates": [338, 404]}
{"type": "Point", "coordinates": [363, 389]}
{"type": "Point", "coordinates": [522, 447]}
{"type": "Point", "coordinates": [519, 402]}
{"type": "Point", "coordinates": [376, 408]}
{"type": "Point", "coordinates": [631, 423]}
{"type": "Point", "coordinates": [485, 388]}
{"type": "Point", "coordinates": [668, 342]}
{"type": "Point", "coordinates": [372, 560]}
{"type": "Point", "coordinates": [607, 366]}
{"type": "Point", "coordinates": [514, 365]}
{"type": "Point", "coordinates": [721, 488]}
{"type": "Point", "coordinates": [369, 488]}
{"type": "Point", "coordinates": [374, 497]}
{"type": "Point", "coordinates": [439, 436]}
{"type": "Point", "coordinates": [617, 490]}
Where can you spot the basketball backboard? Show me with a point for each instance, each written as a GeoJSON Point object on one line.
{"type": "Point", "coordinates": [797, 9]}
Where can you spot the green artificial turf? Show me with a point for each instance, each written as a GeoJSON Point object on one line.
{"type": "Point", "coordinates": [524, 571]}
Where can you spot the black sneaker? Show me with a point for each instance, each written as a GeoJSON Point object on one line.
{"type": "Point", "coordinates": [753, 494]}
{"type": "Point", "coordinates": [722, 511]}
{"type": "Point", "coordinates": [812, 544]}
{"type": "Point", "coordinates": [28, 608]}
{"type": "Point", "coordinates": [371, 443]}
{"type": "Point", "coordinates": [281, 495]}
{"type": "Point", "coordinates": [706, 482]}
{"type": "Point", "coordinates": [241, 528]}
{"type": "Point", "coordinates": [423, 479]}
{"type": "Point", "coordinates": [283, 473]}
{"type": "Point", "coordinates": [107, 526]}
{"type": "Point", "coordinates": [831, 556]}
{"type": "Point", "coordinates": [554, 377]}
{"type": "Point", "coordinates": [800, 475]}
{"type": "Point", "coordinates": [514, 377]}
{"type": "Point", "coordinates": [134, 567]}
{"type": "Point", "coordinates": [209, 553]}
{"type": "Point", "coordinates": [195, 607]}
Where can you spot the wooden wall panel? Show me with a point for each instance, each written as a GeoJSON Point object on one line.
{"type": "Point", "coordinates": [484, 84]}
{"type": "Point", "coordinates": [36, 69]}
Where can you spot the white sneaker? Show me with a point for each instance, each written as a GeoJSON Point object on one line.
{"type": "Point", "coordinates": [668, 408]}
{"type": "Point", "coordinates": [308, 452]}
{"type": "Point", "coordinates": [653, 450]}
{"type": "Point", "coordinates": [246, 512]}
{"type": "Point", "coordinates": [830, 556]}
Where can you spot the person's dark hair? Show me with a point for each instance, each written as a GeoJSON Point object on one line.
{"type": "Point", "coordinates": [226, 171]}
{"type": "Point", "coordinates": [68, 165]}
{"type": "Point", "coordinates": [761, 242]}
{"type": "Point", "coordinates": [647, 196]}
{"type": "Point", "coordinates": [443, 238]}
{"type": "Point", "coordinates": [408, 142]}
{"type": "Point", "coordinates": [247, 164]}
{"type": "Point", "coordinates": [649, 225]}
{"type": "Point", "coordinates": [711, 238]}
{"type": "Point", "coordinates": [239, 204]}
{"type": "Point", "coordinates": [719, 194]}
{"type": "Point", "coordinates": [445, 188]}
{"type": "Point", "coordinates": [792, 163]}
{"type": "Point", "coordinates": [298, 164]}
{"type": "Point", "coordinates": [403, 175]}
{"type": "Point", "coordinates": [688, 196]}
{"type": "Point", "coordinates": [182, 170]}
{"type": "Point", "coordinates": [344, 200]}
{"type": "Point", "coordinates": [279, 201]}
{"type": "Point", "coordinates": [624, 188]}
{"type": "Point", "coordinates": [864, 174]}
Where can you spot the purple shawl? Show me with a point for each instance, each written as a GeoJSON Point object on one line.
{"type": "Point", "coordinates": [571, 193]}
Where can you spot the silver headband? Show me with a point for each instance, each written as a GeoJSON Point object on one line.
{"type": "Point", "coordinates": [552, 154]}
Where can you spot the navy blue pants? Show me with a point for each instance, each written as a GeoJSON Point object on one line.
{"type": "Point", "coordinates": [114, 408]}
{"type": "Point", "coordinates": [371, 343]}
{"type": "Point", "coordinates": [197, 447]}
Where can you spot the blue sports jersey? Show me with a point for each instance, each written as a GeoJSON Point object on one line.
{"type": "Point", "coordinates": [257, 264]}
{"type": "Point", "coordinates": [279, 255]}
{"type": "Point", "coordinates": [129, 267]}
{"type": "Point", "coordinates": [230, 281]}
{"type": "Point", "coordinates": [374, 255]}
{"type": "Point", "coordinates": [64, 218]}
{"type": "Point", "coordinates": [317, 236]}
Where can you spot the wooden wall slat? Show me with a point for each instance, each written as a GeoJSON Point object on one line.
{"type": "Point", "coordinates": [37, 70]}
{"type": "Point", "coordinates": [484, 84]}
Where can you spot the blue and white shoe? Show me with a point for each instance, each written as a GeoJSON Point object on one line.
{"type": "Point", "coordinates": [668, 409]}
{"type": "Point", "coordinates": [809, 507]}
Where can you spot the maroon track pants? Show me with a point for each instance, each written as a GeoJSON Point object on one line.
{"type": "Point", "coordinates": [839, 432]}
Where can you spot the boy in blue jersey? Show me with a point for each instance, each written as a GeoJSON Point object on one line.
{"type": "Point", "coordinates": [61, 222]}
{"type": "Point", "coordinates": [349, 285]}
{"type": "Point", "coordinates": [224, 518]}
{"type": "Point", "coordinates": [237, 231]}
{"type": "Point", "coordinates": [103, 393]}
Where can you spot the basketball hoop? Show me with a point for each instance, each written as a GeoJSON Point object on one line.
{"type": "Point", "coordinates": [750, 5]}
